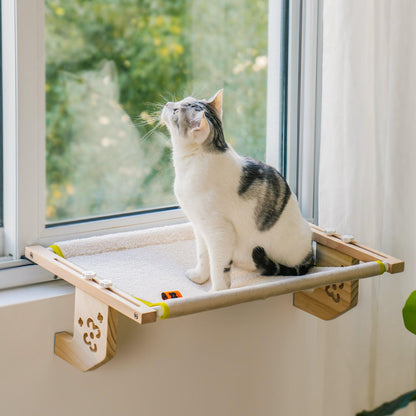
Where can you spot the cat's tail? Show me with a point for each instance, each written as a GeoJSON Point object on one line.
{"type": "Point", "coordinates": [268, 267]}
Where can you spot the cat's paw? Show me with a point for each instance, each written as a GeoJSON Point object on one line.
{"type": "Point", "coordinates": [221, 284]}
{"type": "Point", "coordinates": [196, 276]}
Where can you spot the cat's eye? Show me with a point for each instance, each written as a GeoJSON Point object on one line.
{"type": "Point", "coordinates": [194, 107]}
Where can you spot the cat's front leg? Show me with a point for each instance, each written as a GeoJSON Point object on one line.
{"type": "Point", "coordinates": [200, 274]}
{"type": "Point", "coordinates": [221, 240]}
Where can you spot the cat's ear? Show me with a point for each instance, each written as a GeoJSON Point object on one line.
{"type": "Point", "coordinates": [216, 102]}
{"type": "Point", "coordinates": [201, 129]}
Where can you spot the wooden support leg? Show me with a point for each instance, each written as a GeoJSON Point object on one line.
{"type": "Point", "coordinates": [329, 302]}
{"type": "Point", "coordinates": [95, 332]}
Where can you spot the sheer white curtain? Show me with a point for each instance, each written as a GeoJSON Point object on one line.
{"type": "Point", "coordinates": [368, 189]}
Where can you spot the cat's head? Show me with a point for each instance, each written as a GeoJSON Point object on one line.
{"type": "Point", "coordinates": [193, 122]}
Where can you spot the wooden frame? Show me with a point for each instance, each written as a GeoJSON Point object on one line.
{"type": "Point", "coordinates": [96, 305]}
{"type": "Point", "coordinates": [330, 301]}
{"type": "Point", "coordinates": [356, 250]}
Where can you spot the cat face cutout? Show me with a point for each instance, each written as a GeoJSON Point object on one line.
{"type": "Point", "coordinates": [191, 121]}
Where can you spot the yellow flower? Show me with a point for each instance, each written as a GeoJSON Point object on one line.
{"type": "Point", "coordinates": [144, 115]}
{"type": "Point", "coordinates": [179, 49]}
{"type": "Point", "coordinates": [164, 51]}
{"type": "Point", "coordinates": [56, 194]}
{"type": "Point", "coordinates": [50, 212]}
{"type": "Point", "coordinates": [60, 11]}
{"type": "Point", "coordinates": [176, 30]}
{"type": "Point", "coordinates": [156, 41]}
{"type": "Point", "coordinates": [159, 21]}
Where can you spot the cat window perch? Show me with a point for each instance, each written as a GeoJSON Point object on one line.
{"type": "Point", "coordinates": [141, 275]}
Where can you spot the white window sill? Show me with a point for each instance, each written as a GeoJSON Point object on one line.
{"type": "Point", "coordinates": [34, 293]}
{"type": "Point", "coordinates": [22, 273]}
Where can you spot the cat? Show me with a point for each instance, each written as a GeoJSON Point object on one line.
{"type": "Point", "coordinates": [242, 211]}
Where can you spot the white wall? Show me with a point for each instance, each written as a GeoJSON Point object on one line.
{"type": "Point", "coordinates": [250, 359]}
{"type": "Point", "coordinates": [261, 358]}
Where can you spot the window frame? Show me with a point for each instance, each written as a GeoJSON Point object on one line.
{"type": "Point", "coordinates": [309, 113]}
{"type": "Point", "coordinates": [297, 102]}
{"type": "Point", "coordinates": [24, 132]}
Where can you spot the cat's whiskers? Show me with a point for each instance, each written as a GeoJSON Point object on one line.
{"type": "Point", "coordinates": [151, 131]}
{"type": "Point", "coordinates": [149, 118]}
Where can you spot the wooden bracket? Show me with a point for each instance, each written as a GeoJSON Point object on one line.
{"type": "Point", "coordinates": [330, 301]}
{"type": "Point", "coordinates": [94, 340]}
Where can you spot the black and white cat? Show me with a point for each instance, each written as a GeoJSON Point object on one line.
{"type": "Point", "coordinates": [242, 211]}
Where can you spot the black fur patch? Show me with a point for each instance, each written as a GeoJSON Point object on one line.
{"type": "Point", "coordinates": [228, 268]}
{"type": "Point", "coordinates": [268, 268]}
{"type": "Point", "coordinates": [265, 184]}
{"type": "Point", "coordinates": [263, 263]}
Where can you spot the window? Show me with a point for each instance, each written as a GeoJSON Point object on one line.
{"type": "Point", "coordinates": [109, 64]}
{"type": "Point", "coordinates": [81, 156]}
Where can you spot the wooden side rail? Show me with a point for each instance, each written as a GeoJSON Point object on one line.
{"type": "Point", "coordinates": [355, 250]}
{"type": "Point", "coordinates": [122, 302]}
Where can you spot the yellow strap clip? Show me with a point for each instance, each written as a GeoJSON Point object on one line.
{"type": "Point", "coordinates": [57, 250]}
{"type": "Point", "coordinates": [163, 305]}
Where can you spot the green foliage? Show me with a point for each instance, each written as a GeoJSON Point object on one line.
{"type": "Point", "coordinates": [409, 313]}
{"type": "Point", "coordinates": [392, 407]}
{"type": "Point", "coordinates": [110, 62]}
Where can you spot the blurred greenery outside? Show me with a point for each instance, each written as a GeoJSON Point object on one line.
{"type": "Point", "coordinates": [110, 67]}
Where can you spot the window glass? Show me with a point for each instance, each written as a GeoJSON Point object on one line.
{"type": "Point", "coordinates": [110, 66]}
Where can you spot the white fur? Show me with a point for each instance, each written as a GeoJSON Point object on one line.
{"type": "Point", "coordinates": [206, 186]}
